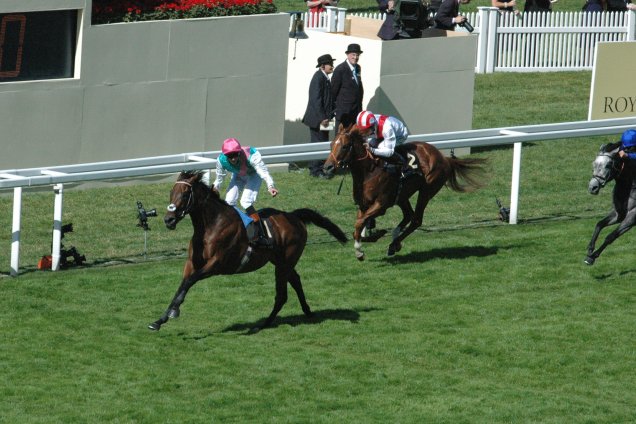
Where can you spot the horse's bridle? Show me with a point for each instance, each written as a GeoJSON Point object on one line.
{"type": "Point", "coordinates": [173, 208]}
{"type": "Point", "coordinates": [348, 151]}
{"type": "Point", "coordinates": [616, 169]}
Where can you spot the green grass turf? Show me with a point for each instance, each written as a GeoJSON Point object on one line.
{"type": "Point", "coordinates": [474, 321]}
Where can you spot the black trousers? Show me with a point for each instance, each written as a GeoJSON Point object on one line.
{"type": "Point", "coordinates": [317, 136]}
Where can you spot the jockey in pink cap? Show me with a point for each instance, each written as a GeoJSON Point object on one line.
{"type": "Point", "coordinates": [248, 172]}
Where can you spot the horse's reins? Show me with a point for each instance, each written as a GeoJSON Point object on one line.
{"type": "Point", "coordinates": [186, 210]}
{"type": "Point", "coordinates": [346, 163]}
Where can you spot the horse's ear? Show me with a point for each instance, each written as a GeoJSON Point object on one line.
{"type": "Point", "coordinates": [602, 148]}
{"type": "Point", "coordinates": [340, 128]}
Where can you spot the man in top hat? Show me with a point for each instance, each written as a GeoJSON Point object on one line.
{"type": "Point", "coordinates": [320, 108]}
{"type": "Point", "coordinates": [346, 87]}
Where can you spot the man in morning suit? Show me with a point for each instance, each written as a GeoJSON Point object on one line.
{"type": "Point", "coordinates": [319, 108]}
{"type": "Point", "coordinates": [346, 87]}
{"type": "Point", "coordinates": [448, 16]}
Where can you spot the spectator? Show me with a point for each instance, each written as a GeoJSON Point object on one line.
{"type": "Point", "coordinates": [317, 6]}
{"type": "Point", "coordinates": [390, 27]}
{"type": "Point", "coordinates": [346, 87]}
{"type": "Point", "coordinates": [320, 108]}
{"type": "Point", "coordinates": [594, 6]}
{"type": "Point", "coordinates": [504, 6]}
{"type": "Point", "coordinates": [448, 16]}
{"type": "Point", "coordinates": [537, 6]}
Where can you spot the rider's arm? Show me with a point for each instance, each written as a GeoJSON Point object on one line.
{"type": "Point", "coordinates": [387, 146]}
{"type": "Point", "coordinates": [261, 169]}
{"type": "Point", "coordinates": [220, 175]}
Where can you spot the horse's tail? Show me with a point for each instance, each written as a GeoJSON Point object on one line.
{"type": "Point", "coordinates": [310, 216]}
{"type": "Point", "coordinates": [470, 170]}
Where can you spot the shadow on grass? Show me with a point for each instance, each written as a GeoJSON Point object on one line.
{"type": "Point", "coordinates": [619, 274]}
{"type": "Point", "coordinates": [445, 253]}
{"type": "Point", "coordinates": [351, 315]}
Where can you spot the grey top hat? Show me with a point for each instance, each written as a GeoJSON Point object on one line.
{"type": "Point", "coordinates": [353, 48]}
{"type": "Point", "coordinates": [325, 59]}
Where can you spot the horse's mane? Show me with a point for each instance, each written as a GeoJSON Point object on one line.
{"type": "Point", "coordinates": [610, 147]}
{"type": "Point", "coordinates": [195, 177]}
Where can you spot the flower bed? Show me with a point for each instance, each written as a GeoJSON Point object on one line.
{"type": "Point", "coordinates": [110, 11]}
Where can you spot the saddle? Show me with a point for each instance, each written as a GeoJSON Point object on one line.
{"type": "Point", "coordinates": [404, 162]}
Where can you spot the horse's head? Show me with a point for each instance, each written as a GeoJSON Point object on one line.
{"type": "Point", "coordinates": [182, 197]}
{"type": "Point", "coordinates": [606, 167]}
{"type": "Point", "coordinates": [344, 149]}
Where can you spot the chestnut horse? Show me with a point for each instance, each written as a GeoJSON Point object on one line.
{"type": "Point", "coordinates": [220, 244]}
{"type": "Point", "coordinates": [609, 166]}
{"type": "Point", "coordinates": [375, 190]}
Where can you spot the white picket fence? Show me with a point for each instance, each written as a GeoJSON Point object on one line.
{"type": "Point", "coordinates": [528, 42]}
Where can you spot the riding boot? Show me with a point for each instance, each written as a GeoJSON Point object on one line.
{"type": "Point", "coordinates": [260, 239]}
{"type": "Point", "coordinates": [405, 168]}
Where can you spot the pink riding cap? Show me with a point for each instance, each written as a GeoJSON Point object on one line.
{"type": "Point", "coordinates": [231, 145]}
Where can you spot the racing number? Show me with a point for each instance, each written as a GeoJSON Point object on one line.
{"type": "Point", "coordinates": [412, 160]}
{"type": "Point", "coordinates": [21, 19]}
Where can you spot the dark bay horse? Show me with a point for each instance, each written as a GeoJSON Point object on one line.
{"type": "Point", "coordinates": [609, 166]}
{"type": "Point", "coordinates": [375, 190]}
{"type": "Point", "coordinates": [220, 244]}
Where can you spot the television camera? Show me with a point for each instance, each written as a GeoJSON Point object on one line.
{"type": "Point", "coordinates": [143, 215]}
{"type": "Point", "coordinates": [66, 254]}
{"type": "Point", "coordinates": [414, 16]}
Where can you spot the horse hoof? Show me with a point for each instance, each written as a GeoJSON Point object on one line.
{"type": "Point", "coordinates": [393, 249]}
{"type": "Point", "coordinates": [174, 313]}
{"type": "Point", "coordinates": [589, 260]}
{"type": "Point", "coordinates": [154, 326]}
{"type": "Point", "coordinates": [360, 256]}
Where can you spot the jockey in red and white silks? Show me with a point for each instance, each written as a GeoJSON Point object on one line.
{"type": "Point", "coordinates": [383, 132]}
{"type": "Point", "coordinates": [248, 172]}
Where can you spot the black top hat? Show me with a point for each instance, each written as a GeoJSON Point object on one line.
{"type": "Point", "coordinates": [353, 48]}
{"type": "Point", "coordinates": [325, 59]}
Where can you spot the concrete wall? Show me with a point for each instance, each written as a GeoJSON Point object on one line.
{"type": "Point", "coordinates": [426, 82]}
{"type": "Point", "coordinates": [149, 89]}
{"type": "Point", "coordinates": [168, 87]}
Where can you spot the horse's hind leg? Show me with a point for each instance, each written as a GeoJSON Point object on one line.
{"type": "Point", "coordinates": [407, 216]}
{"type": "Point", "coordinates": [281, 294]}
{"type": "Point", "coordinates": [416, 222]}
{"type": "Point", "coordinates": [294, 280]}
{"type": "Point", "coordinates": [624, 227]}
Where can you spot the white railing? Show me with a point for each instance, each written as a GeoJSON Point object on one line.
{"type": "Point", "coordinates": [527, 42]}
{"type": "Point", "coordinates": [57, 176]}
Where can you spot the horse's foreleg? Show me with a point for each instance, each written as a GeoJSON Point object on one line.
{"type": "Point", "coordinates": [294, 280]}
{"type": "Point", "coordinates": [610, 219]}
{"type": "Point", "coordinates": [624, 227]}
{"type": "Point", "coordinates": [190, 277]}
{"type": "Point", "coordinates": [375, 210]}
{"type": "Point", "coordinates": [177, 300]}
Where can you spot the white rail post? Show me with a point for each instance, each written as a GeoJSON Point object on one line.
{"type": "Point", "coordinates": [491, 50]}
{"type": "Point", "coordinates": [15, 231]}
{"type": "Point", "coordinates": [58, 189]}
{"type": "Point", "coordinates": [482, 40]}
{"type": "Point", "coordinates": [514, 189]}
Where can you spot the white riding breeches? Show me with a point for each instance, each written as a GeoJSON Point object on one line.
{"type": "Point", "coordinates": [248, 184]}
